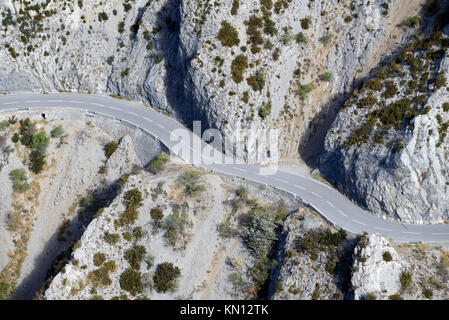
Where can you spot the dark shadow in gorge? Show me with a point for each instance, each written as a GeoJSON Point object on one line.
{"type": "Point", "coordinates": [312, 143]}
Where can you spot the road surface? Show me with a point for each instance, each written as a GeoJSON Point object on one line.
{"type": "Point", "coordinates": [332, 205]}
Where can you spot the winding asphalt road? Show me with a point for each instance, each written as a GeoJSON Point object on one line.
{"type": "Point", "coordinates": [332, 205]}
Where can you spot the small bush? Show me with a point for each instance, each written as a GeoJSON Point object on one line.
{"type": "Point", "coordinates": [131, 281]}
{"type": "Point", "coordinates": [327, 76]}
{"type": "Point", "coordinates": [370, 296]}
{"type": "Point", "coordinates": [133, 198]}
{"type": "Point", "coordinates": [110, 148]}
{"type": "Point", "coordinates": [19, 178]}
{"type": "Point", "coordinates": [427, 293]}
{"type": "Point", "coordinates": [100, 277]}
{"type": "Point", "coordinates": [165, 277]}
{"type": "Point", "coordinates": [406, 279]}
{"type": "Point", "coordinates": [5, 289]}
{"type": "Point", "coordinates": [159, 163]}
{"type": "Point", "coordinates": [111, 238]}
{"type": "Point", "coordinates": [305, 23]}
{"type": "Point", "coordinates": [57, 132]}
{"type": "Point", "coordinates": [412, 22]}
{"type": "Point", "coordinates": [157, 214]}
{"type": "Point", "coordinates": [265, 111]}
{"type": "Point", "coordinates": [238, 67]}
{"type": "Point", "coordinates": [305, 89]}
{"type": "Point", "coordinates": [257, 82]}
{"type": "Point", "coordinates": [99, 259]}
{"type": "Point", "coordinates": [228, 35]}
{"type": "Point", "coordinates": [387, 256]}
{"type": "Point", "coordinates": [135, 255]}
{"type": "Point", "coordinates": [37, 161]}
{"type": "Point", "coordinates": [235, 7]}
{"type": "Point", "coordinates": [190, 180]}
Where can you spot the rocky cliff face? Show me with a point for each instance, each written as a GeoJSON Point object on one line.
{"type": "Point", "coordinates": [377, 268]}
{"type": "Point", "coordinates": [41, 214]}
{"type": "Point", "coordinates": [171, 55]}
{"type": "Point", "coordinates": [388, 147]}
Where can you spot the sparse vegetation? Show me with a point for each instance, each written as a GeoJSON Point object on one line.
{"type": "Point", "coordinates": [165, 277]}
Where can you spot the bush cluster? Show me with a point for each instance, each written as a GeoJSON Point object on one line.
{"type": "Point", "coordinates": [228, 35]}
{"type": "Point", "coordinates": [165, 277]}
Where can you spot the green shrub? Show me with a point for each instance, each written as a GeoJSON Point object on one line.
{"type": "Point", "coordinates": [102, 16]}
{"type": "Point", "coordinates": [40, 141]}
{"type": "Point", "coordinates": [441, 81]}
{"type": "Point", "coordinates": [228, 35]}
{"type": "Point", "coordinates": [259, 232]}
{"type": "Point", "coordinates": [305, 89]}
{"type": "Point", "coordinates": [5, 290]}
{"type": "Point", "coordinates": [165, 277]}
{"type": "Point", "coordinates": [226, 230]}
{"type": "Point", "coordinates": [19, 178]}
{"type": "Point", "coordinates": [412, 22]}
{"type": "Point", "coordinates": [157, 214]}
{"type": "Point", "coordinates": [129, 217]}
{"type": "Point", "coordinates": [159, 163]}
{"type": "Point", "coordinates": [445, 107]}
{"type": "Point", "coordinates": [427, 293]}
{"type": "Point", "coordinates": [387, 256]}
{"type": "Point", "coordinates": [131, 281]}
{"type": "Point", "coordinates": [305, 23]}
{"type": "Point", "coordinates": [175, 226]}
{"type": "Point", "coordinates": [374, 84]}
{"type": "Point", "coordinates": [235, 7]}
{"type": "Point", "coordinates": [190, 180]}
{"type": "Point", "coordinates": [328, 238]}
{"type": "Point", "coordinates": [300, 38]}
{"type": "Point", "coordinates": [3, 125]}
{"type": "Point", "coordinates": [100, 277]}
{"type": "Point", "coordinates": [265, 111]}
{"type": "Point", "coordinates": [133, 198]}
{"type": "Point", "coordinates": [238, 67]}
{"type": "Point", "coordinates": [135, 255]}
{"type": "Point", "coordinates": [110, 148]}
{"type": "Point", "coordinates": [99, 259]}
{"type": "Point", "coordinates": [327, 76]}
{"type": "Point", "coordinates": [391, 89]}
{"type": "Point", "coordinates": [370, 296]}
{"type": "Point", "coordinates": [57, 132]}
{"type": "Point", "coordinates": [257, 82]}
{"type": "Point", "coordinates": [138, 233]}
{"type": "Point", "coordinates": [111, 238]}
{"type": "Point", "coordinates": [406, 279]}
{"type": "Point", "coordinates": [326, 38]}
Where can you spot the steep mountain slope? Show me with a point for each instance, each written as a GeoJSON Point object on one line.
{"type": "Point", "coordinates": [235, 65]}
{"type": "Point", "coordinates": [388, 147]}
